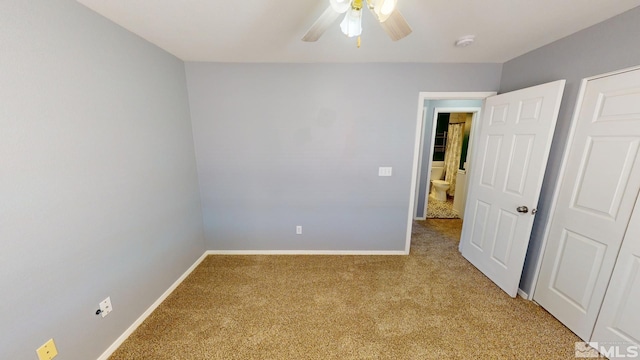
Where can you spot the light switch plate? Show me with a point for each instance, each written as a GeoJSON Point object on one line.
{"type": "Point", "coordinates": [47, 351]}
{"type": "Point", "coordinates": [385, 171]}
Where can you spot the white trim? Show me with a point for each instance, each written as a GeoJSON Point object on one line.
{"type": "Point", "coordinates": [523, 294]}
{"type": "Point", "coordinates": [434, 125]}
{"type": "Point", "coordinates": [616, 72]}
{"type": "Point", "coordinates": [476, 122]}
{"type": "Point", "coordinates": [116, 344]}
{"type": "Point", "coordinates": [458, 109]}
{"type": "Point", "coordinates": [563, 166]}
{"type": "Point", "coordinates": [444, 95]}
{"type": "Point", "coordinates": [420, 151]}
{"type": "Point", "coordinates": [418, 145]}
{"type": "Point", "coordinates": [302, 252]}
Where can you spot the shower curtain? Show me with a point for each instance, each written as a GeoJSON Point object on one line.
{"type": "Point", "coordinates": [452, 155]}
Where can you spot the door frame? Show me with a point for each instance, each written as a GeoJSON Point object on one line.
{"type": "Point", "coordinates": [562, 171]}
{"type": "Point", "coordinates": [418, 145]}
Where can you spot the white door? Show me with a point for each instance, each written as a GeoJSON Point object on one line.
{"type": "Point", "coordinates": [600, 181]}
{"type": "Point", "coordinates": [619, 319]}
{"type": "Point", "coordinates": [504, 185]}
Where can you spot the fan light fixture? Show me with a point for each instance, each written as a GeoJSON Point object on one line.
{"type": "Point", "coordinates": [393, 23]}
{"type": "Point", "coordinates": [352, 23]}
{"type": "Point", "coordinates": [340, 6]}
{"type": "Point", "coordinates": [383, 8]}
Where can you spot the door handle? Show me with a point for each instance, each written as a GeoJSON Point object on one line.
{"type": "Point", "coordinates": [522, 209]}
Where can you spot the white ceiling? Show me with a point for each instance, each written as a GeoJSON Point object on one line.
{"type": "Point", "coordinates": [270, 30]}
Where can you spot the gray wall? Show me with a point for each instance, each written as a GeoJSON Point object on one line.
{"type": "Point", "coordinates": [427, 150]}
{"type": "Point", "coordinates": [605, 47]}
{"type": "Point", "coordinates": [280, 145]}
{"type": "Point", "coordinates": [98, 183]}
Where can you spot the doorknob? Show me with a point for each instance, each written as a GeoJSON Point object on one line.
{"type": "Point", "coordinates": [522, 209]}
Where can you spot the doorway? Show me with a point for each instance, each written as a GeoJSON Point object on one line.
{"type": "Point", "coordinates": [445, 185]}
{"type": "Point", "coordinates": [501, 189]}
{"type": "Point", "coordinates": [427, 102]}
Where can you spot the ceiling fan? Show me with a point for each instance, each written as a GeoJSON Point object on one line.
{"type": "Point", "coordinates": [393, 23]}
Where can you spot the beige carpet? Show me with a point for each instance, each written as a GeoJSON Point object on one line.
{"type": "Point", "coordinates": [430, 305]}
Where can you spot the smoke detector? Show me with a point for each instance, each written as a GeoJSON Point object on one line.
{"type": "Point", "coordinates": [465, 41]}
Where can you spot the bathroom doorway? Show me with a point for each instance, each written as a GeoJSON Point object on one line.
{"type": "Point", "coordinates": [433, 108]}
{"type": "Point", "coordinates": [451, 132]}
{"type": "Point", "coordinates": [469, 102]}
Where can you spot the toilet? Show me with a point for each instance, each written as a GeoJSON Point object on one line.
{"type": "Point", "coordinates": [439, 189]}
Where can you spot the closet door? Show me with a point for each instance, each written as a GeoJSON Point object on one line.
{"type": "Point", "coordinates": [619, 319]}
{"type": "Point", "coordinates": [600, 181]}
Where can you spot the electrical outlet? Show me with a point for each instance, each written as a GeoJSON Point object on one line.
{"type": "Point", "coordinates": [105, 307]}
{"type": "Point", "coordinates": [299, 230]}
{"type": "Point", "coordinates": [47, 351]}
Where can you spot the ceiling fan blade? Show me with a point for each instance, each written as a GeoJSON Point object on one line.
{"type": "Point", "coordinates": [396, 26]}
{"type": "Point", "coordinates": [321, 25]}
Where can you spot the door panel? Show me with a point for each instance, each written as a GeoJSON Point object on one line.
{"type": "Point", "coordinates": [515, 134]}
{"type": "Point", "coordinates": [601, 195]}
{"type": "Point", "coordinates": [530, 110]}
{"type": "Point", "coordinates": [505, 230]}
{"type": "Point", "coordinates": [498, 114]}
{"type": "Point", "coordinates": [619, 319]}
{"type": "Point", "coordinates": [519, 164]}
{"type": "Point", "coordinates": [493, 148]}
{"type": "Point", "coordinates": [594, 202]}
{"type": "Point", "coordinates": [480, 217]}
{"type": "Point", "coordinates": [619, 105]}
{"type": "Point", "coordinates": [573, 285]}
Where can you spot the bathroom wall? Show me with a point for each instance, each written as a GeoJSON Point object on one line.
{"type": "Point", "coordinates": [440, 139]}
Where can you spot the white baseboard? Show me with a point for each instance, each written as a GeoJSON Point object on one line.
{"type": "Point", "coordinates": [148, 312]}
{"type": "Point", "coordinates": [523, 294]}
{"type": "Point", "coordinates": [302, 252]}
